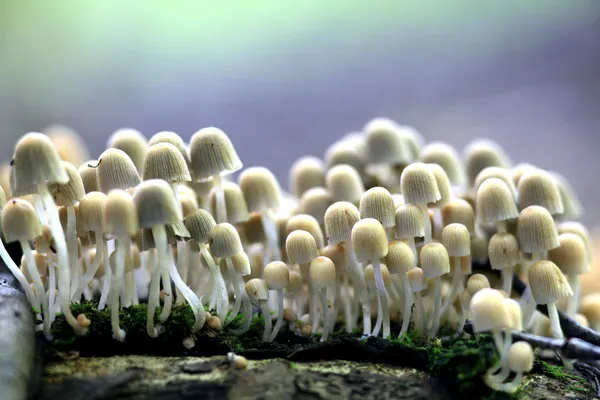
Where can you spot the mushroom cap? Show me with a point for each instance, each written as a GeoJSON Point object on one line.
{"type": "Point", "coordinates": [165, 161]}
{"type": "Point", "coordinates": [385, 144]}
{"type": "Point", "coordinates": [518, 170]}
{"type": "Point", "coordinates": [322, 272]}
{"type": "Point", "coordinates": [419, 185]}
{"type": "Point", "coordinates": [495, 202]}
{"type": "Point", "coordinates": [339, 219]}
{"type": "Point", "coordinates": [503, 250]}
{"type": "Point", "coordinates": [538, 188]}
{"type": "Point", "coordinates": [417, 280]}
{"type": "Point", "coordinates": [257, 290]}
{"type": "Point", "coordinates": [301, 247]}
{"type": "Point", "coordinates": [488, 311]}
{"type": "Point", "coordinates": [67, 194]}
{"type": "Point", "coordinates": [87, 172]}
{"type": "Point", "coordinates": [337, 254]}
{"type": "Point", "coordinates": [212, 153]}
{"type": "Point", "coordinates": [590, 307]}
{"type": "Point", "coordinates": [261, 189]}
{"type": "Point", "coordinates": [443, 184]}
{"type": "Point", "coordinates": [571, 255]}
{"type": "Point", "coordinates": [315, 202]}
{"type": "Point", "coordinates": [295, 282]}
{"type": "Point", "coordinates": [370, 274]}
{"type": "Point", "coordinates": [235, 202]}
{"type": "Point", "coordinates": [520, 357]}
{"type": "Point", "coordinates": [305, 173]}
{"type": "Point", "coordinates": [115, 170]}
{"type": "Point", "coordinates": [446, 157]}
{"type": "Point", "coordinates": [434, 260]}
{"type": "Point", "coordinates": [344, 183]}
{"type": "Point", "coordinates": [572, 208]}
{"type": "Point", "coordinates": [459, 211]}
{"type": "Point", "coordinates": [199, 223]}
{"type": "Point", "coordinates": [224, 241]}
{"type": "Point", "coordinates": [171, 138]}
{"type": "Point", "coordinates": [276, 275]}
{"type": "Point", "coordinates": [156, 203]}
{"type": "Point", "coordinates": [513, 308]}
{"type": "Point", "coordinates": [369, 240]}
{"type": "Point", "coordinates": [91, 211]}
{"type": "Point", "coordinates": [377, 203]}
{"type": "Point", "coordinates": [480, 154]}
{"type": "Point", "coordinates": [189, 204]}
{"type": "Point", "coordinates": [498, 173]}
{"type": "Point", "coordinates": [69, 144]}
{"type": "Point", "coordinates": [547, 283]}
{"type": "Point", "coordinates": [477, 282]}
{"type": "Point", "coordinates": [579, 229]}
{"type": "Point", "coordinates": [41, 265]}
{"type": "Point", "coordinates": [307, 223]}
{"type": "Point", "coordinates": [400, 258]}
{"type": "Point", "coordinates": [19, 221]}
{"type": "Point", "coordinates": [456, 239]}
{"type": "Point", "coordinates": [536, 230]}
{"type": "Point", "coordinates": [120, 215]}
{"type": "Point", "coordinates": [409, 222]}
{"type": "Point", "coordinates": [345, 152]}
{"type": "Point", "coordinates": [133, 143]}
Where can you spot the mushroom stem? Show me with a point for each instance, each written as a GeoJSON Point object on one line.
{"type": "Point", "coordinates": [71, 237]}
{"type": "Point", "coordinates": [264, 308]}
{"type": "Point", "coordinates": [426, 222]}
{"type": "Point", "coordinates": [408, 302]}
{"type": "Point", "coordinates": [40, 292]}
{"type": "Point", "coordinates": [347, 300]}
{"type": "Point", "coordinates": [222, 297]}
{"type": "Point", "coordinates": [39, 208]}
{"type": "Point", "coordinates": [527, 305]}
{"type": "Point", "coordinates": [360, 287]}
{"type": "Point", "coordinates": [92, 269]}
{"type": "Point", "coordinates": [507, 278]}
{"type": "Point", "coordinates": [411, 242]}
{"type": "Point", "coordinates": [60, 243]}
{"type": "Point", "coordinates": [272, 252]}
{"type": "Point", "coordinates": [437, 306]}
{"type": "Point", "coordinates": [501, 226]}
{"type": "Point", "coordinates": [554, 321]}
{"type": "Point", "coordinates": [107, 277]}
{"type": "Point", "coordinates": [165, 262]}
{"type": "Point", "coordinates": [420, 312]}
{"type": "Point", "coordinates": [51, 285]}
{"type": "Point", "coordinates": [117, 278]}
{"type": "Point", "coordinates": [153, 294]}
{"type": "Point", "coordinates": [326, 313]}
{"type": "Point", "coordinates": [127, 298]}
{"type": "Point", "coordinates": [18, 274]}
{"type": "Point", "coordinates": [280, 310]}
{"type": "Point", "coordinates": [492, 374]}
{"type": "Point", "coordinates": [312, 304]}
{"type": "Point", "coordinates": [513, 385]}
{"type": "Point", "coordinates": [238, 287]}
{"type": "Point", "coordinates": [247, 316]}
{"type": "Point", "coordinates": [221, 209]}
{"type": "Point", "coordinates": [182, 269]}
{"type": "Point", "coordinates": [572, 301]}
{"type": "Point", "coordinates": [383, 300]}
{"type": "Point", "coordinates": [456, 285]}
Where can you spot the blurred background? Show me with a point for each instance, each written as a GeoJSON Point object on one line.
{"type": "Point", "coordinates": [285, 78]}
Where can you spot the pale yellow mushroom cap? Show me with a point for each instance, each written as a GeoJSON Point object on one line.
{"type": "Point", "coordinates": [315, 202]}
{"type": "Point", "coordinates": [337, 253]}
{"type": "Point", "coordinates": [115, 170]}
{"type": "Point", "coordinates": [488, 311]}
{"type": "Point", "coordinates": [369, 240]}
{"type": "Point", "coordinates": [19, 221]}
{"type": "Point", "coordinates": [199, 224]}
{"type": "Point", "coordinates": [261, 189]}
{"type": "Point", "coordinates": [520, 357]}
{"type": "Point", "coordinates": [547, 283]}
{"type": "Point", "coordinates": [459, 211]}
{"type": "Point", "coordinates": [477, 282]}
{"type": "Point", "coordinates": [68, 194]}
{"type": "Point", "coordinates": [306, 172]}
{"type": "Point", "coordinates": [306, 223]}
{"type": "Point", "coordinates": [345, 152]}
{"type": "Point", "coordinates": [417, 280]}
{"type": "Point", "coordinates": [257, 290]}
{"type": "Point", "coordinates": [91, 211]}
{"type": "Point", "coordinates": [571, 255]}
{"type": "Point", "coordinates": [497, 173]}
{"type": "Point", "coordinates": [514, 314]}
{"type": "Point", "coordinates": [446, 157]}
{"type": "Point", "coordinates": [370, 274]}
{"type": "Point", "coordinates": [538, 188]}
{"type": "Point", "coordinates": [409, 222]}
{"type": "Point", "coordinates": [165, 161]}
{"type": "Point", "coordinates": [480, 154]}
{"type": "Point", "coordinates": [211, 153]}
{"type": "Point", "coordinates": [434, 260]}
{"type": "Point", "coordinates": [87, 172]}
{"type": "Point", "coordinates": [276, 275]}
{"type": "Point", "coordinates": [344, 184]}
{"type": "Point", "coordinates": [340, 217]}
{"type": "Point", "coordinates": [456, 239]}
{"type": "Point", "coordinates": [235, 203]}
{"type": "Point", "coordinates": [495, 202]}
{"type": "Point", "coordinates": [224, 241]}
{"type": "Point", "coordinates": [295, 283]}
{"type": "Point", "coordinates": [133, 143]}
{"type": "Point", "coordinates": [590, 307]}
{"type": "Point", "coordinates": [536, 230]}
{"type": "Point", "coordinates": [156, 203]}
{"type": "Point", "coordinates": [377, 203]}
{"type": "Point", "coordinates": [503, 250]}
{"type": "Point", "coordinates": [301, 247]}
{"type": "Point", "coordinates": [322, 272]}
{"type": "Point", "coordinates": [400, 258]}
{"type": "Point", "coordinates": [443, 184]}
{"type": "Point", "coordinates": [419, 185]}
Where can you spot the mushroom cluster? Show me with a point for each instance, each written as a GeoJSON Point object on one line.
{"type": "Point", "coordinates": [383, 229]}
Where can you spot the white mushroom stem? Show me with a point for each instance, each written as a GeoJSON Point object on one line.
{"type": "Point", "coordinates": [280, 309]}
{"type": "Point", "coordinates": [420, 312]}
{"type": "Point", "coordinates": [117, 279]}
{"type": "Point", "coordinates": [71, 238]}
{"type": "Point", "coordinates": [360, 287]}
{"type": "Point", "coordinates": [426, 222]}
{"type": "Point", "coordinates": [221, 209]}
{"type": "Point", "coordinates": [40, 210]}
{"type": "Point", "coordinates": [513, 385]}
{"type": "Point", "coordinates": [264, 308]}
{"type": "Point", "coordinates": [573, 301]}
{"type": "Point", "coordinates": [182, 269]}
{"type": "Point", "coordinates": [247, 316]}
{"type": "Point", "coordinates": [127, 291]}
{"type": "Point", "coordinates": [272, 252]}
{"type": "Point", "coordinates": [40, 292]}
{"type": "Point", "coordinates": [326, 314]}
{"type": "Point", "coordinates": [18, 274]}
{"type": "Point", "coordinates": [411, 243]}
{"type": "Point", "coordinates": [408, 302]}
{"type": "Point", "coordinates": [312, 301]}
{"type": "Point", "coordinates": [165, 278]}
{"type": "Point", "coordinates": [507, 279]}
{"type": "Point", "coordinates": [437, 306]}
{"type": "Point", "coordinates": [554, 321]}
{"type": "Point", "coordinates": [383, 300]}
{"type": "Point", "coordinates": [60, 243]}
{"type": "Point", "coordinates": [93, 268]}
{"type": "Point", "coordinates": [345, 298]}
{"type": "Point", "coordinates": [222, 306]}
{"type": "Point", "coordinates": [51, 284]}
{"type": "Point", "coordinates": [502, 366]}
{"type": "Point", "coordinates": [153, 295]}
{"type": "Point", "coordinates": [107, 277]}
{"type": "Point", "coordinates": [457, 285]}
{"type": "Point", "coordinates": [238, 288]}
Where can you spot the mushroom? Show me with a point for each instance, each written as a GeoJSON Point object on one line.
{"type": "Point", "coordinates": [590, 308]}
{"type": "Point", "coordinates": [263, 195]}
{"type": "Point", "coordinates": [377, 203]}
{"type": "Point", "coordinates": [345, 151]}
{"type": "Point", "coordinates": [212, 155]}
{"type": "Point", "coordinates": [87, 172]}
{"type": "Point", "coordinates": [371, 284]}
{"type": "Point", "coordinates": [258, 292]}
{"type": "Point", "coordinates": [571, 258]}
{"type": "Point", "coordinates": [337, 254]}
{"type": "Point", "coordinates": [409, 225]}
{"type": "Point", "coordinates": [133, 143]}
{"type": "Point", "coordinates": [21, 224]}
{"type": "Point", "coordinates": [435, 263]}
{"type": "Point", "coordinates": [548, 285]}
{"type": "Point", "coordinates": [235, 204]}
{"type": "Point", "coordinates": [538, 188]}
{"type": "Point", "coordinates": [322, 276]}
{"type": "Point", "coordinates": [464, 298]}
{"type": "Point", "coordinates": [277, 277]}
{"type": "Point", "coordinates": [387, 143]}
{"type": "Point", "coordinates": [344, 184]}
{"type": "Point", "coordinates": [495, 204]}
{"type": "Point", "coordinates": [417, 285]}
{"type": "Point", "coordinates": [456, 239]}
{"type": "Point", "coordinates": [306, 172]}
{"type": "Point", "coordinates": [399, 261]}
{"type": "Point", "coordinates": [572, 208]}
{"type": "Point", "coordinates": [369, 241]}
{"type": "Point", "coordinates": [480, 154]}
{"type": "Point", "coordinates": [69, 144]}
{"type": "Point", "coordinates": [513, 309]}
{"type": "Point", "coordinates": [496, 173]}
{"type": "Point", "coordinates": [295, 290]}
{"type": "Point", "coordinates": [520, 360]}
{"type": "Point", "coordinates": [504, 255]}
{"type": "Point", "coordinates": [489, 314]}
{"type": "Point", "coordinates": [446, 157]}
{"type": "Point", "coordinates": [419, 187]}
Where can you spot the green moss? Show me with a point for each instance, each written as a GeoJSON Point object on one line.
{"type": "Point", "coordinates": [578, 389]}
{"type": "Point", "coordinates": [557, 372]}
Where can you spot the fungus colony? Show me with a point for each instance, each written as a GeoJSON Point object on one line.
{"type": "Point", "coordinates": [164, 213]}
